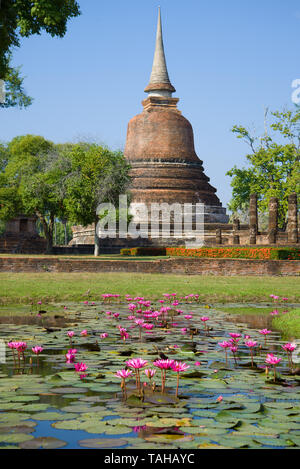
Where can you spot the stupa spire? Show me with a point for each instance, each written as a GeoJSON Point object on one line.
{"type": "Point", "coordinates": [159, 84]}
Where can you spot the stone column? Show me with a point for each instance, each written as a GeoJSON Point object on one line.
{"type": "Point", "coordinates": [293, 219]}
{"type": "Point", "coordinates": [253, 219]}
{"type": "Point", "coordinates": [273, 220]}
{"type": "Point", "coordinates": [218, 236]}
{"type": "Point", "coordinates": [236, 229]}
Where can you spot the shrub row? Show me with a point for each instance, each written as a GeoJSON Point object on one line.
{"type": "Point", "coordinates": [230, 252]}
{"type": "Point", "coordinates": [280, 253]}
{"type": "Point", "coordinates": [144, 251]}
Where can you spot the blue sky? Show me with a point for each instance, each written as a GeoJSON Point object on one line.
{"type": "Point", "coordinates": [228, 60]}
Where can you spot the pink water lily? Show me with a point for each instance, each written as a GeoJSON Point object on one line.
{"type": "Point", "coordinates": [251, 344]}
{"type": "Point", "coordinates": [84, 333]}
{"type": "Point", "coordinates": [150, 373]}
{"type": "Point", "coordinates": [290, 348]}
{"type": "Point", "coordinates": [204, 319]}
{"type": "Point", "coordinates": [137, 363]}
{"type": "Point", "coordinates": [274, 361]}
{"type": "Point", "coordinates": [163, 365]}
{"type": "Point", "coordinates": [81, 368]}
{"type": "Point", "coordinates": [37, 349]}
{"type": "Point", "coordinates": [225, 345]}
{"type": "Point", "coordinates": [123, 374]}
{"type": "Point", "coordinates": [179, 367]}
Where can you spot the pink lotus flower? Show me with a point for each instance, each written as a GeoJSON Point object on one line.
{"type": "Point", "coordinates": [150, 373]}
{"type": "Point", "coordinates": [104, 335]}
{"type": "Point", "coordinates": [124, 333]}
{"type": "Point", "coordinates": [147, 326]}
{"type": "Point", "coordinates": [265, 332]}
{"type": "Point", "coordinates": [37, 349]}
{"type": "Point", "coordinates": [21, 346]}
{"type": "Point", "coordinates": [137, 363]}
{"type": "Point", "coordinates": [188, 316]}
{"type": "Point", "coordinates": [289, 347]}
{"type": "Point", "coordinates": [179, 367]}
{"type": "Point", "coordinates": [84, 333]}
{"type": "Point", "coordinates": [80, 367]}
{"type": "Point", "coordinates": [70, 334]}
{"type": "Point", "coordinates": [70, 357]}
{"type": "Point", "coordinates": [198, 364]}
{"type": "Point", "coordinates": [123, 374]}
{"type": "Point", "coordinates": [205, 319]}
{"type": "Point", "coordinates": [234, 335]}
{"type": "Point", "coordinates": [163, 364]}
{"type": "Point", "coordinates": [116, 315]}
{"type": "Point", "coordinates": [250, 344]}
{"type": "Point", "coordinates": [220, 399]}
{"type": "Point", "coordinates": [225, 344]}
{"type": "Point", "coordinates": [272, 360]}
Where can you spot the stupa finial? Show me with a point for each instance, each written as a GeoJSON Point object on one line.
{"type": "Point", "coordinates": [159, 84]}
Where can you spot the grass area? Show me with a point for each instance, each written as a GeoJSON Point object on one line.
{"type": "Point", "coordinates": [24, 287]}
{"type": "Point", "coordinates": [102, 257]}
{"type": "Point", "coordinates": [289, 324]}
{"type": "Point", "coordinates": [242, 310]}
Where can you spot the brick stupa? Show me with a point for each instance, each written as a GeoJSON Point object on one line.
{"type": "Point", "coordinates": [160, 149]}
{"type": "Point", "coordinates": [164, 167]}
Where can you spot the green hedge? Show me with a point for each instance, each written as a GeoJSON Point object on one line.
{"type": "Point", "coordinates": [144, 251]}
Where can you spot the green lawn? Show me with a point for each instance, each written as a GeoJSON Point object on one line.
{"type": "Point", "coordinates": [289, 324]}
{"type": "Point", "coordinates": [22, 287]}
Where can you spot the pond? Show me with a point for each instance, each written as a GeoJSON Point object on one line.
{"type": "Point", "coordinates": [225, 397]}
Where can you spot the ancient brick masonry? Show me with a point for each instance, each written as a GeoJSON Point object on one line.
{"type": "Point", "coordinates": [160, 149]}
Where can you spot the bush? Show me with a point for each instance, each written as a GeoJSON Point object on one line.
{"type": "Point", "coordinates": [144, 251]}
{"type": "Point", "coordinates": [284, 253]}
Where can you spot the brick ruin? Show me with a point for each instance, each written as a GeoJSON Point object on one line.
{"type": "Point", "coordinates": [21, 237]}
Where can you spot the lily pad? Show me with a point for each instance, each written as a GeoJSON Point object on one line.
{"type": "Point", "coordinates": [102, 443]}
{"type": "Point", "coordinates": [43, 442]}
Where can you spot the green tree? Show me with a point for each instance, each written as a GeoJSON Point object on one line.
{"type": "Point", "coordinates": [15, 94]}
{"type": "Point", "coordinates": [273, 164]}
{"type": "Point", "coordinates": [32, 182]}
{"type": "Point", "coordinates": [98, 175]}
{"type": "Point", "coordinates": [23, 18]}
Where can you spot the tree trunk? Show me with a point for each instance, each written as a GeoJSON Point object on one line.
{"type": "Point", "coordinates": [97, 241]}
{"type": "Point", "coordinates": [48, 231]}
{"type": "Point", "coordinates": [66, 234]}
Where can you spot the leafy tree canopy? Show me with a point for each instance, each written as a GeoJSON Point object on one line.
{"type": "Point", "coordinates": [65, 182]}
{"type": "Point", "coordinates": [273, 164]}
{"type": "Point", "coordinates": [23, 18]}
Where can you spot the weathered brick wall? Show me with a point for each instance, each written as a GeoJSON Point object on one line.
{"type": "Point", "coordinates": [226, 267]}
